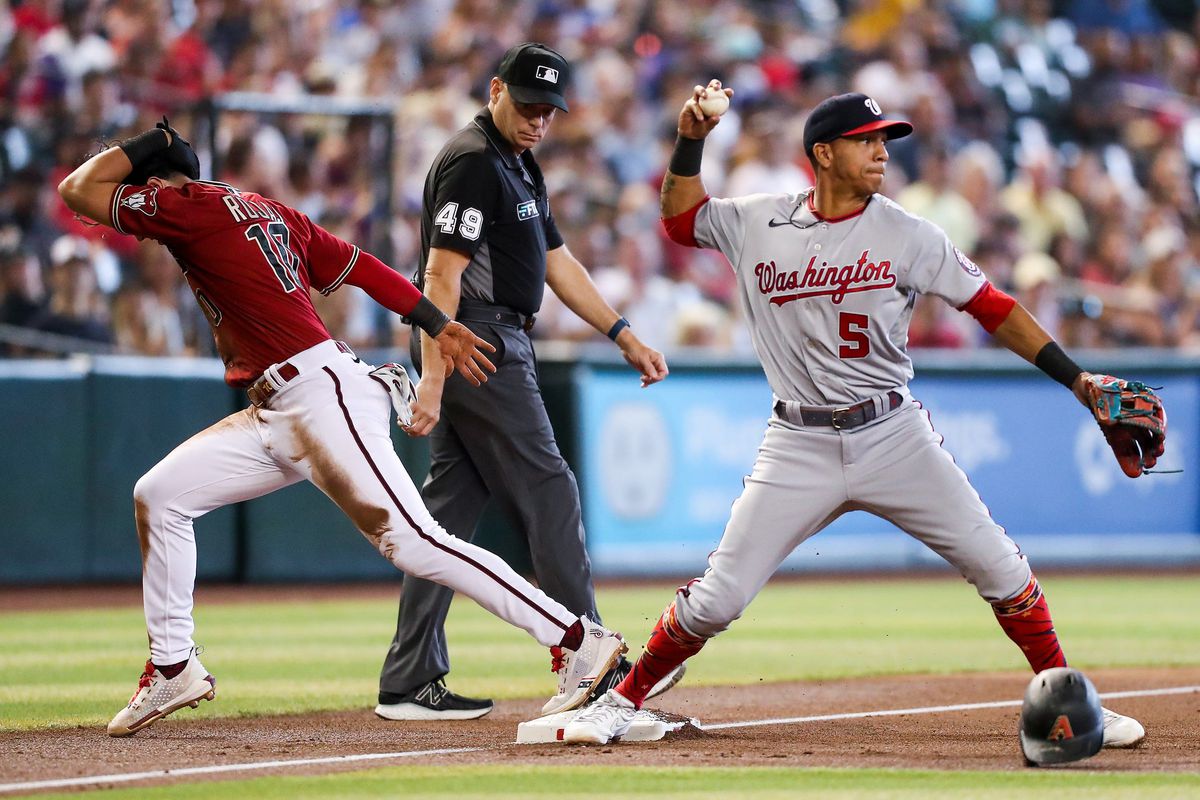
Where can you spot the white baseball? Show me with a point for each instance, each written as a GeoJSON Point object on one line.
{"type": "Point", "coordinates": [714, 104]}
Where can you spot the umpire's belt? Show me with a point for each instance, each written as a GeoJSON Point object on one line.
{"type": "Point", "coordinates": [279, 375]}
{"type": "Point", "coordinates": [840, 419]}
{"type": "Point", "coordinates": [495, 315]}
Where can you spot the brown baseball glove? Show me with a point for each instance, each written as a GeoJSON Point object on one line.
{"type": "Point", "coordinates": [1132, 418]}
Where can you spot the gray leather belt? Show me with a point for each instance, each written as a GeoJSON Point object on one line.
{"type": "Point", "coordinates": [837, 418]}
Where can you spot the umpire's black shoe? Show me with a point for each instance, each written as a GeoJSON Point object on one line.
{"type": "Point", "coordinates": [431, 701]}
{"type": "Point", "coordinates": [623, 667]}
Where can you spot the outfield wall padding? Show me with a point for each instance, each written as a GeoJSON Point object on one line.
{"type": "Point", "coordinates": [657, 467]}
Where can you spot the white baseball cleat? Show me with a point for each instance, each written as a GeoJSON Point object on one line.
{"type": "Point", "coordinates": [604, 720]}
{"type": "Point", "coordinates": [158, 696]}
{"type": "Point", "coordinates": [579, 671]}
{"type": "Point", "coordinates": [1121, 731]}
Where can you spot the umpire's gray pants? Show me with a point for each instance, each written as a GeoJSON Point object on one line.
{"type": "Point", "coordinates": [493, 441]}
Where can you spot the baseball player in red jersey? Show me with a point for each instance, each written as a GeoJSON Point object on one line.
{"type": "Point", "coordinates": [317, 412]}
{"type": "Point", "coordinates": [828, 278]}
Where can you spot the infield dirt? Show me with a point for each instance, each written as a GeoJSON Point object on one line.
{"type": "Point", "coordinates": [983, 739]}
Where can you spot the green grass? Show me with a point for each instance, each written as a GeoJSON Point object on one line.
{"type": "Point", "coordinates": [671, 783]}
{"type": "Point", "coordinates": [64, 668]}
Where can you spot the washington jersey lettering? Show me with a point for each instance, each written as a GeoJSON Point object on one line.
{"type": "Point", "coordinates": [829, 300]}
{"type": "Point", "coordinates": [249, 260]}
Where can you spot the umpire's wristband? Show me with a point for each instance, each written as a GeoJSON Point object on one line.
{"type": "Point", "coordinates": [139, 148]}
{"type": "Point", "coordinates": [1058, 365]}
{"type": "Point", "coordinates": [428, 317]}
{"type": "Point", "coordinates": [685, 161]}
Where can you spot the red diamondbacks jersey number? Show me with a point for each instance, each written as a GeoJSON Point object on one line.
{"type": "Point", "coordinates": [275, 250]}
{"type": "Point", "coordinates": [853, 330]}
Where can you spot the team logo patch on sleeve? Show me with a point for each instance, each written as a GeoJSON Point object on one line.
{"type": "Point", "coordinates": [969, 266]}
{"type": "Point", "coordinates": [144, 200]}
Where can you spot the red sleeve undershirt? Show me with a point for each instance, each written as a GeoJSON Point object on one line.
{"type": "Point", "coordinates": [681, 228]}
{"type": "Point", "coordinates": [385, 286]}
{"type": "Point", "coordinates": [990, 306]}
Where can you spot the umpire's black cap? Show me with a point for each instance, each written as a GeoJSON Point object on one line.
{"type": "Point", "coordinates": [848, 115]}
{"type": "Point", "coordinates": [536, 74]}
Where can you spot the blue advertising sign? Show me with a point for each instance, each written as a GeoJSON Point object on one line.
{"type": "Point", "coordinates": [662, 466]}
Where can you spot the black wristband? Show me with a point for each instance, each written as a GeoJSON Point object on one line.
{"type": "Point", "coordinates": [685, 161]}
{"type": "Point", "coordinates": [617, 327]}
{"type": "Point", "coordinates": [139, 148]}
{"type": "Point", "coordinates": [428, 317]}
{"type": "Point", "coordinates": [1058, 365]}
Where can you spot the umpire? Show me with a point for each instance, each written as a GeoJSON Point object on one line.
{"type": "Point", "coordinates": [489, 247]}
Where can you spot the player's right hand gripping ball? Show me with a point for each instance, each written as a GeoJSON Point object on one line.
{"type": "Point", "coordinates": [714, 103]}
{"type": "Point", "coordinates": [1132, 418]}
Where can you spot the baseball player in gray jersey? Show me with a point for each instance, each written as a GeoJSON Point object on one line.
{"type": "Point", "coordinates": [828, 278]}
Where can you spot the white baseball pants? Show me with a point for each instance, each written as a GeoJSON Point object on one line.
{"type": "Point", "coordinates": [806, 477]}
{"type": "Point", "coordinates": [328, 425]}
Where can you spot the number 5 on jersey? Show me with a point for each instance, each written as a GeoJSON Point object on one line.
{"type": "Point", "coordinates": [469, 228]}
{"type": "Point", "coordinates": [853, 330]}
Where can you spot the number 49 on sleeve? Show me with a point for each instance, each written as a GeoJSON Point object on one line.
{"type": "Point", "coordinates": [469, 228]}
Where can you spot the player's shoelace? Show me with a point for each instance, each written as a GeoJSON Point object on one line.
{"type": "Point", "coordinates": [144, 681]}
{"type": "Point", "coordinates": [558, 658]}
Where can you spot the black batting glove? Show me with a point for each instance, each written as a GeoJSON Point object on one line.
{"type": "Point", "coordinates": [180, 152]}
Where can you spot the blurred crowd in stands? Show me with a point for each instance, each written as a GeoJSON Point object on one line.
{"type": "Point", "coordinates": [1057, 142]}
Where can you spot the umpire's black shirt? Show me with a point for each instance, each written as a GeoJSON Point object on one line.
{"type": "Point", "coordinates": [484, 201]}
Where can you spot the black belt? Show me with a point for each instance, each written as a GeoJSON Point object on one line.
{"type": "Point", "coordinates": [496, 315]}
{"type": "Point", "coordinates": [837, 418]}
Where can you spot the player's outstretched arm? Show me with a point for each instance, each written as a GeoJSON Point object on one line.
{"type": "Point", "coordinates": [569, 280]}
{"type": "Point", "coordinates": [682, 188]}
{"type": "Point", "coordinates": [1022, 334]}
{"type": "Point", "coordinates": [1131, 416]}
{"type": "Point", "coordinates": [461, 349]}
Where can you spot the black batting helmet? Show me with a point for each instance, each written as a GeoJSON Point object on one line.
{"type": "Point", "coordinates": [1061, 719]}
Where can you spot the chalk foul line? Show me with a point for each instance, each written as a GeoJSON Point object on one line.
{"type": "Point", "coordinates": [130, 777]}
{"type": "Point", "coordinates": [897, 712]}
{"type": "Point", "coordinates": [216, 769]}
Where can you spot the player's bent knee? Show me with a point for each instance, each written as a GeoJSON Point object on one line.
{"type": "Point", "coordinates": [1002, 578]}
{"type": "Point", "coordinates": [1005, 584]}
{"type": "Point", "coordinates": [151, 492]}
{"type": "Point", "coordinates": [707, 615]}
